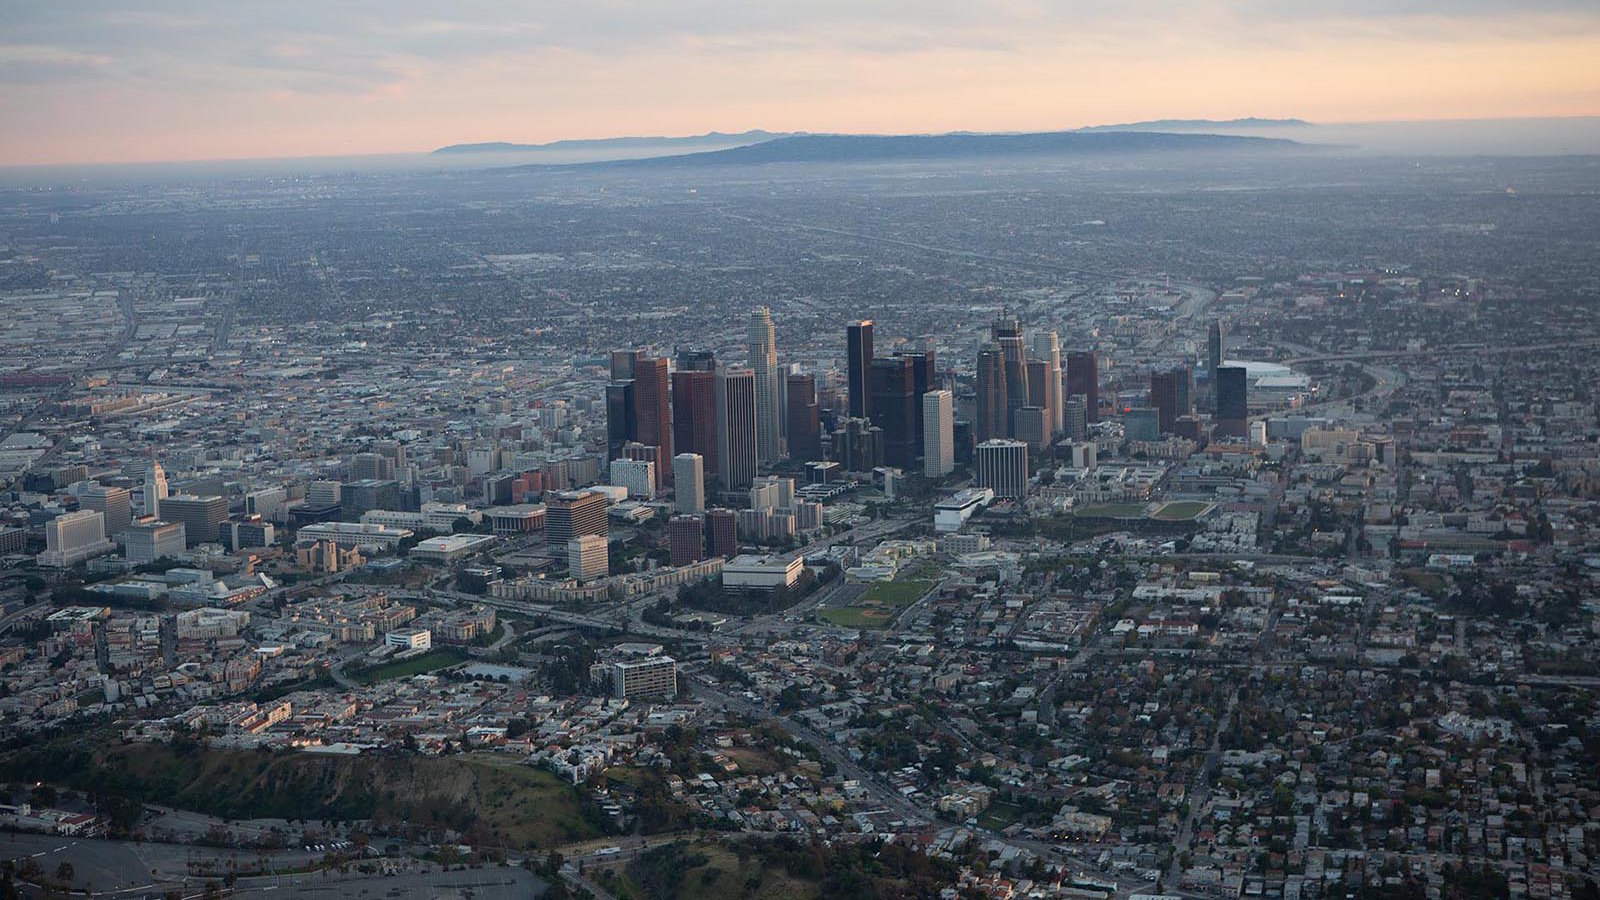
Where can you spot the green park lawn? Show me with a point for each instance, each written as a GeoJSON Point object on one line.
{"type": "Point", "coordinates": [433, 660]}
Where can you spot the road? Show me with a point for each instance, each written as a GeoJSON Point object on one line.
{"type": "Point", "coordinates": [1479, 349]}
{"type": "Point", "coordinates": [508, 633]}
{"type": "Point", "coordinates": [1200, 789]}
{"type": "Point", "coordinates": [23, 614]}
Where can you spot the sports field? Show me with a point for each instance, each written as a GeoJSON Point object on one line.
{"type": "Point", "coordinates": [1181, 510]}
{"type": "Point", "coordinates": [878, 605]}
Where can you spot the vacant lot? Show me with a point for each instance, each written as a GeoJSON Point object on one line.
{"type": "Point", "coordinates": [1111, 511]}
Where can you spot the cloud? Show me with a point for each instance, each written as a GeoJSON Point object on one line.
{"type": "Point", "coordinates": [314, 67]}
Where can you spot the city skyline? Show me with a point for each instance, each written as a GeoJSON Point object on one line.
{"type": "Point", "coordinates": [1174, 509]}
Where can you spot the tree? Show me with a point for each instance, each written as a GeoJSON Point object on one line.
{"type": "Point", "coordinates": [65, 872]}
{"type": "Point", "coordinates": [43, 795]}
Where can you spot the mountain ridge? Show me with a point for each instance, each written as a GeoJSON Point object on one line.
{"type": "Point", "coordinates": [627, 141]}
{"type": "Point", "coordinates": [1187, 125]}
{"type": "Point", "coordinates": [889, 148]}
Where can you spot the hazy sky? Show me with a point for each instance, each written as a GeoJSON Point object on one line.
{"type": "Point", "coordinates": [110, 80]}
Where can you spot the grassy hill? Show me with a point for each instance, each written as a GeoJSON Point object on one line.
{"type": "Point", "coordinates": [497, 800]}
{"type": "Point", "coordinates": [776, 869]}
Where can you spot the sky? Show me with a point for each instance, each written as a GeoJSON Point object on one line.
{"type": "Point", "coordinates": [86, 81]}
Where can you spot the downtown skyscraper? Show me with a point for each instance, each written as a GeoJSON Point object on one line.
{"type": "Point", "coordinates": [858, 349]}
{"type": "Point", "coordinates": [1047, 350]}
{"type": "Point", "coordinates": [1007, 334]}
{"type": "Point", "coordinates": [1083, 380]}
{"type": "Point", "coordinates": [803, 425]}
{"type": "Point", "coordinates": [892, 387]}
{"type": "Point", "coordinates": [993, 413]}
{"type": "Point", "coordinates": [694, 406]}
{"type": "Point", "coordinates": [738, 436]}
{"type": "Point", "coordinates": [763, 346]}
{"type": "Point", "coordinates": [938, 434]}
{"type": "Point", "coordinates": [1233, 401]}
{"type": "Point", "coordinates": [638, 405]}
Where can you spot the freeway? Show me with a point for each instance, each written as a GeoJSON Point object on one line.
{"type": "Point", "coordinates": [1479, 349]}
{"type": "Point", "coordinates": [23, 614]}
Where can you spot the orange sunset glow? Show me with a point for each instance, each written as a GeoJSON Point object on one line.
{"type": "Point", "coordinates": [181, 81]}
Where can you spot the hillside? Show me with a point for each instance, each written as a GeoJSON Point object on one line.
{"type": "Point", "coordinates": [924, 147]}
{"type": "Point", "coordinates": [779, 868]}
{"type": "Point", "coordinates": [498, 799]}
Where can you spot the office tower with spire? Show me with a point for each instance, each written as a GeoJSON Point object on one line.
{"type": "Point", "coordinates": [938, 434]}
{"type": "Point", "coordinates": [738, 437]}
{"type": "Point", "coordinates": [1047, 350]}
{"type": "Point", "coordinates": [992, 407]}
{"type": "Point", "coordinates": [1083, 380]}
{"type": "Point", "coordinates": [694, 406]}
{"type": "Point", "coordinates": [154, 489]}
{"type": "Point", "coordinates": [763, 347]}
{"type": "Point", "coordinates": [858, 349]}
{"type": "Point", "coordinates": [1007, 333]}
{"type": "Point", "coordinates": [804, 425]}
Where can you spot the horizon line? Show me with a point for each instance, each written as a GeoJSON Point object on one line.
{"type": "Point", "coordinates": [539, 147]}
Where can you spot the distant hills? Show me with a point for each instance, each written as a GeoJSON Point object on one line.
{"type": "Point", "coordinates": [617, 143]}
{"type": "Point", "coordinates": [888, 148]}
{"type": "Point", "coordinates": [1200, 125]}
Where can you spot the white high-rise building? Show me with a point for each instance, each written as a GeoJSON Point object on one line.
{"type": "Point", "coordinates": [148, 540]}
{"type": "Point", "coordinates": [637, 475]}
{"type": "Point", "coordinates": [73, 537]}
{"type": "Point", "coordinates": [1047, 349]}
{"type": "Point", "coordinates": [323, 494]}
{"type": "Point", "coordinates": [153, 490]}
{"type": "Point", "coordinates": [588, 557]}
{"type": "Point", "coordinates": [1002, 466]}
{"type": "Point", "coordinates": [781, 488]}
{"type": "Point", "coordinates": [769, 390]}
{"type": "Point", "coordinates": [689, 483]}
{"type": "Point", "coordinates": [938, 434]}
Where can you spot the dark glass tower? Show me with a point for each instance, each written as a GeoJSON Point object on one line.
{"type": "Point", "coordinates": [858, 339]}
{"type": "Point", "coordinates": [1083, 380]}
{"type": "Point", "coordinates": [1233, 401]}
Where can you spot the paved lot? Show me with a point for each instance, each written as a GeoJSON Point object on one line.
{"type": "Point", "coordinates": [125, 868]}
{"type": "Point", "coordinates": [472, 884]}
